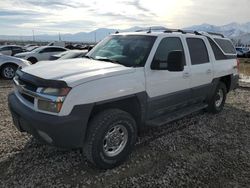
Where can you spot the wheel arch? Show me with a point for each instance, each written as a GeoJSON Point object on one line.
{"type": "Point", "coordinates": [7, 63]}
{"type": "Point", "coordinates": [227, 81]}
{"type": "Point", "coordinates": [135, 105]}
{"type": "Point", "coordinates": [32, 57]}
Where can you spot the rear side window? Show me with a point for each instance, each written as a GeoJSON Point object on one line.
{"type": "Point", "coordinates": [58, 50]}
{"type": "Point", "coordinates": [217, 52]}
{"type": "Point", "coordinates": [46, 50]}
{"type": "Point", "coordinates": [198, 51]}
{"type": "Point", "coordinates": [226, 46]}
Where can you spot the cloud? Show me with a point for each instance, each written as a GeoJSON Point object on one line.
{"type": "Point", "coordinates": [53, 3]}
{"type": "Point", "coordinates": [138, 5]}
{"type": "Point", "coordinates": [71, 16]}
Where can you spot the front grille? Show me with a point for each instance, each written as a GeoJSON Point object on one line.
{"type": "Point", "coordinates": [28, 98]}
{"type": "Point", "coordinates": [27, 85]}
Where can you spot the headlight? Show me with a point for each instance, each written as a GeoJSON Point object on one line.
{"type": "Point", "coordinates": [52, 99]}
{"type": "Point", "coordinates": [55, 91]}
{"type": "Point", "coordinates": [49, 106]}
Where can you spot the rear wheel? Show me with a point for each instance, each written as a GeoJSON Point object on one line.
{"type": "Point", "coordinates": [110, 139]}
{"type": "Point", "coordinates": [216, 104]}
{"type": "Point", "coordinates": [8, 71]}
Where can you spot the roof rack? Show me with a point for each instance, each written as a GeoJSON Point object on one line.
{"type": "Point", "coordinates": [182, 31]}
{"type": "Point", "coordinates": [150, 29]}
{"type": "Point", "coordinates": [166, 30]}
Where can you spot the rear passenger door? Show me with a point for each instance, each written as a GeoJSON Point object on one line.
{"type": "Point", "coordinates": [201, 68]}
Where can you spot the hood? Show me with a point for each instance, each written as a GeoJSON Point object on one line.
{"type": "Point", "coordinates": [76, 71]}
{"type": "Point", "coordinates": [10, 58]}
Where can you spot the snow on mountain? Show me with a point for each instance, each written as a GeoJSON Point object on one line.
{"type": "Point", "coordinates": [230, 30]}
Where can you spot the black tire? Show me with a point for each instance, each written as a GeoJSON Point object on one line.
{"type": "Point", "coordinates": [100, 126]}
{"type": "Point", "coordinates": [33, 60]}
{"type": "Point", "coordinates": [214, 107]}
{"type": "Point", "coordinates": [8, 71]}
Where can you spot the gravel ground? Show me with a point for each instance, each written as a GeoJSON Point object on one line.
{"type": "Point", "coordinates": [201, 150]}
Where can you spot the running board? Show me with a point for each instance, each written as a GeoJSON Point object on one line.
{"type": "Point", "coordinates": [162, 120]}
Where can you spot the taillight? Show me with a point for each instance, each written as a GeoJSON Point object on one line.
{"type": "Point", "coordinates": [238, 64]}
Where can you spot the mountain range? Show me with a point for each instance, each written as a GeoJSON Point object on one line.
{"type": "Point", "coordinates": [236, 31]}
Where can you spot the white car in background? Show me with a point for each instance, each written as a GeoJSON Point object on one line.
{"type": "Point", "coordinates": [11, 49]}
{"type": "Point", "coordinates": [9, 65]}
{"type": "Point", "coordinates": [41, 53]}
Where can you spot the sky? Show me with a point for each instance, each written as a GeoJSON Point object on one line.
{"type": "Point", "coordinates": [20, 17]}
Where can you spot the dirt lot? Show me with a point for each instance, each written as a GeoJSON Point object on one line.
{"type": "Point", "coordinates": [201, 150]}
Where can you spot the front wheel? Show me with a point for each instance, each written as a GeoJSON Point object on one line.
{"type": "Point", "coordinates": [8, 71]}
{"type": "Point", "coordinates": [110, 138]}
{"type": "Point", "coordinates": [216, 104]}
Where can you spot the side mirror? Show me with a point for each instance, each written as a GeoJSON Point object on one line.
{"type": "Point", "coordinates": [175, 61]}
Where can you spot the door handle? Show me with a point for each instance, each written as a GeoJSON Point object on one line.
{"type": "Point", "coordinates": [186, 75]}
{"type": "Point", "coordinates": [209, 71]}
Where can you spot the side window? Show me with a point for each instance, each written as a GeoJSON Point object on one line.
{"type": "Point", "coordinates": [217, 52]}
{"type": "Point", "coordinates": [198, 51]}
{"type": "Point", "coordinates": [6, 48]}
{"type": "Point", "coordinates": [58, 50]}
{"type": "Point", "coordinates": [166, 46]}
{"type": "Point", "coordinates": [226, 45]}
{"type": "Point", "coordinates": [46, 50]}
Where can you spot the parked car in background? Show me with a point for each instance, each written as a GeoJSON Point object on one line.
{"type": "Point", "coordinates": [71, 54]}
{"type": "Point", "coordinates": [11, 50]}
{"type": "Point", "coordinates": [41, 53]}
{"type": "Point", "coordinates": [9, 65]}
{"type": "Point", "coordinates": [242, 51]}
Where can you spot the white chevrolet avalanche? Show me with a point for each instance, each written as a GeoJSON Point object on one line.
{"type": "Point", "coordinates": [127, 82]}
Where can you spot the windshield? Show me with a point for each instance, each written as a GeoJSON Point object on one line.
{"type": "Point", "coordinates": [37, 49]}
{"type": "Point", "coordinates": [128, 50]}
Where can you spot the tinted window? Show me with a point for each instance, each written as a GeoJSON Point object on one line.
{"type": "Point", "coordinates": [168, 45]}
{"type": "Point", "coordinates": [226, 46]}
{"type": "Point", "coordinates": [6, 48]}
{"type": "Point", "coordinates": [47, 50]}
{"type": "Point", "coordinates": [58, 50]}
{"type": "Point", "coordinates": [217, 52]}
{"type": "Point", "coordinates": [198, 51]}
{"type": "Point", "coordinates": [16, 48]}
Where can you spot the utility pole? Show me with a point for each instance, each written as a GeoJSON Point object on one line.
{"type": "Point", "coordinates": [95, 36]}
{"type": "Point", "coordinates": [59, 35]}
{"type": "Point", "coordinates": [33, 35]}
